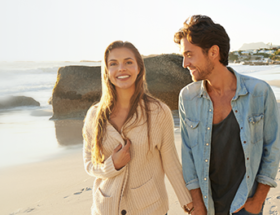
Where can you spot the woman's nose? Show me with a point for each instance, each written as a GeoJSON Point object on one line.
{"type": "Point", "coordinates": [121, 67]}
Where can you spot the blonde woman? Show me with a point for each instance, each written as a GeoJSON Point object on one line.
{"type": "Point", "coordinates": [129, 141]}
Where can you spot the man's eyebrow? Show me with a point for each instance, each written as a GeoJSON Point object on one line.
{"type": "Point", "coordinates": [187, 52]}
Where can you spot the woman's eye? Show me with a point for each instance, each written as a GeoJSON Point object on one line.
{"type": "Point", "coordinates": [129, 62]}
{"type": "Point", "coordinates": [112, 64]}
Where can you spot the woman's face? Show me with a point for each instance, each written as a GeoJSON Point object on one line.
{"type": "Point", "coordinates": [122, 68]}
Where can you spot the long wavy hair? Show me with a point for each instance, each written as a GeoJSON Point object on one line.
{"type": "Point", "coordinates": [109, 99]}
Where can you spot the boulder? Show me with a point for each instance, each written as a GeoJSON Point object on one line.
{"type": "Point", "coordinates": [17, 101]}
{"type": "Point", "coordinates": [78, 87]}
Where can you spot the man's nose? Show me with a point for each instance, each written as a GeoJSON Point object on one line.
{"type": "Point", "coordinates": [185, 62]}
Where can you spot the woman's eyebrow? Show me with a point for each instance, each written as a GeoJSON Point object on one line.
{"type": "Point", "coordinates": [128, 58]}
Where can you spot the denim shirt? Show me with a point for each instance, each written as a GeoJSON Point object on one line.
{"type": "Point", "coordinates": [255, 108]}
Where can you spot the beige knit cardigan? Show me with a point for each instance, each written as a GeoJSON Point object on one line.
{"type": "Point", "coordinates": [139, 186]}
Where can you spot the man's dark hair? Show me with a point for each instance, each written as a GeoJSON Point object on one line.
{"type": "Point", "coordinates": [203, 32]}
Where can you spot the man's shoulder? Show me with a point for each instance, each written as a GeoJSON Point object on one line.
{"type": "Point", "coordinates": [254, 84]}
{"type": "Point", "coordinates": [191, 91]}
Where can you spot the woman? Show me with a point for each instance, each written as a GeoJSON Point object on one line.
{"type": "Point", "coordinates": [129, 141]}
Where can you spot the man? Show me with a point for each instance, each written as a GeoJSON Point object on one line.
{"type": "Point", "coordinates": [229, 126]}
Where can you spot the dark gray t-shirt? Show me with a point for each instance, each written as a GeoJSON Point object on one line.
{"type": "Point", "coordinates": [227, 163]}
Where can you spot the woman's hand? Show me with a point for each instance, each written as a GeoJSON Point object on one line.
{"type": "Point", "coordinates": [121, 155]}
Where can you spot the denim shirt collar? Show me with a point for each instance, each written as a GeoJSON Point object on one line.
{"type": "Point", "coordinates": [240, 88]}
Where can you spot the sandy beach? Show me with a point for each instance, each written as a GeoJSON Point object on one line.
{"type": "Point", "coordinates": [60, 186]}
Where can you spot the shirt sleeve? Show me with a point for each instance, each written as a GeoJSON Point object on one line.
{"type": "Point", "coordinates": [271, 142]}
{"type": "Point", "coordinates": [171, 164]}
{"type": "Point", "coordinates": [189, 170]}
{"type": "Point", "coordinates": [104, 170]}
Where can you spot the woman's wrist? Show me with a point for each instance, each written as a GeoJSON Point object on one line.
{"type": "Point", "coordinates": [188, 210]}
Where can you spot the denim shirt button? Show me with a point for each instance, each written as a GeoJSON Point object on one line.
{"type": "Point", "coordinates": [244, 142]}
{"type": "Point", "coordinates": [207, 144]}
{"type": "Point", "coordinates": [205, 179]}
{"type": "Point", "coordinates": [236, 111]}
{"type": "Point", "coordinates": [206, 160]}
{"type": "Point", "coordinates": [247, 158]}
{"type": "Point", "coordinates": [205, 197]}
{"type": "Point", "coordinates": [208, 128]}
{"type": "Point", "coordinates": [210, 110]}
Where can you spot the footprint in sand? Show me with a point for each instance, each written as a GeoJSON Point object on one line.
{"type": "Point", "coordinates": [82, 190]}
{"type": "Point", "coordinates": [79, 192]}
{"type": "Point", "coordinates": [19, 211]}
{"type": "Point", "coordinates": [29, 210]}
{"type": "Point", "coordinates": [278, 197]}
{"type": "Point", "coordinates": [273, 210]}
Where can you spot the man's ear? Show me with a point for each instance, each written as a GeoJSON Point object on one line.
{"type": "Point", "coordinates": [214, 52]}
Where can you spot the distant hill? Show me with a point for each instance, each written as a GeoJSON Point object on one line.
{"type": "Point", "coordinates": [247, 46]}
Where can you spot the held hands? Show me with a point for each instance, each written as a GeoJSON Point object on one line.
{"type": "Point", "coordinates": [199, 209]}
{"type": "Point", "coordinates": [121, 155]}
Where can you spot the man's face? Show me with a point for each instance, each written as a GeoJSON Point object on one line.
{"type": "Point", "coordinates": [195, 60]}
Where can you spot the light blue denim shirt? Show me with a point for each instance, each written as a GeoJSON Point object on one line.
{"type": "Point", "coordinates": [255, 108]}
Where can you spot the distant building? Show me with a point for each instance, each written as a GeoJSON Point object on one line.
{"type": "Point", "coordinates": [257, 57]}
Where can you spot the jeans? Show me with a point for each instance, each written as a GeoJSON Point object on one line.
{"type": "Point", "coordinates": [244, 212]}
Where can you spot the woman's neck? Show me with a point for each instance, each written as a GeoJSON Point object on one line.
{"type": "Point", "coordinates": [123, 98]}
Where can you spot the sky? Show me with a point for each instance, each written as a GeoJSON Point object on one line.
{"type": "Point", "coordinates": [68, 30]}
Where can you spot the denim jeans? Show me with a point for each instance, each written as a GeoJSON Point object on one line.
{"type": "Point", "coordinates": [244, 212]}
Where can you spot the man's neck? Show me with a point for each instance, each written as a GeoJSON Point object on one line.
{"type": "Point", "coordinates": [221, 81]}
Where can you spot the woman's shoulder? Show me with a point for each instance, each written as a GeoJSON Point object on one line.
{"type": "Point", "coordinates": [159, 107]}
{"type": "Point", "coordinates": [91, 112]}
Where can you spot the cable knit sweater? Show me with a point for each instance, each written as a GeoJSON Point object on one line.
{"type": "Point", "coordinates": [138, 188]}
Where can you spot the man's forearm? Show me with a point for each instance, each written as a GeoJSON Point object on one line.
{"type": "Point", "coordinates": [261, 193]}
{"type": "Point", "coordinates": [198, 203]}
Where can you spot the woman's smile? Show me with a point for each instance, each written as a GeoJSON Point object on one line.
{"type": "Point", "coordinates": [124, 77]}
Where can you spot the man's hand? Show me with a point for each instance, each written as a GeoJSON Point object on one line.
{"type": "Point", "coordinates": [199, 207]}
{"type": "Point", "coordinates": [251, 206]}
{"type": "Point", "coordinates": [121, 155]}
{"type": "Point", "coordinates": [254, 205]}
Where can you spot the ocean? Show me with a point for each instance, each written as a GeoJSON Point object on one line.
{"type": "Point", "coordinates": [26, 133]}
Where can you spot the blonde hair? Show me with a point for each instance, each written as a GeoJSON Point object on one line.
{"type": "Point", "coordinates": [109, 98]}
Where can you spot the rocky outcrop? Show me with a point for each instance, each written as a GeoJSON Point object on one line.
{"type": "Point", "coordinates": [17, 101]}
{"type": "Point", "coordinates": [78, 87]}
{"type": "Point", "coordinates": [166, 77]}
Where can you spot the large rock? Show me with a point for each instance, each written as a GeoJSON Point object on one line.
{"type": "Point", "coordinates": [17, 101]}
{"type": "Point", "coordinates": [78, 87]}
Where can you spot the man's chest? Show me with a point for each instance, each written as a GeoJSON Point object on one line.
{"type": "Point", "coordinates": [221, 108]}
